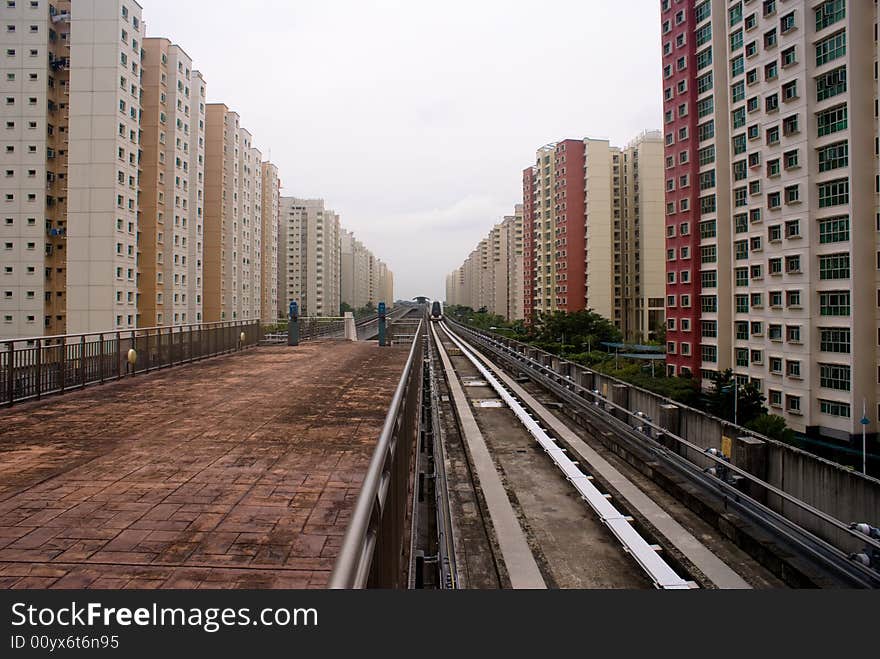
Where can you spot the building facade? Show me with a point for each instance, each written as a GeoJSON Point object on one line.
{"type": "Point", "coordinates": [601, 209]}
{"type": "Point", "coordinates": [789, 272]}
{"type": "Point", "coordinates": [491, 278]}
{"type": "Point", "coordinates": [169, 221]}
{"type": "Point", "coordinates": [312, 269]}
{"type": "Point", "coordinates": [271, 217]}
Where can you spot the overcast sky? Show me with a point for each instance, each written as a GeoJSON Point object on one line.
{"type": "Point", "coordinates": [415, 118]}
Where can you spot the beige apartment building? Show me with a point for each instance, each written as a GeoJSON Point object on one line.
{"type": "Point", "coordinates": [35, 79]}
{"type": "Point", "coordinates": [106, 40]}
{"type": "Point", "coordinates": [312, 270]}
{"type": "Point", "coordinates": [70, 111]}
{"type": "Point", "coordinates": [233, 219]}
{"type": "Point", "coordinates": [363, 277]}
{"type": "Point", "coordinates": [271, 217]}
{"type": "Point", "coordinates": [171, 187]}
{"type": "Point", "coordinates": [492, 275]}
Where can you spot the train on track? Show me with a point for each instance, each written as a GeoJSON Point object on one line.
{"type": "Point", "coordinates": [437, 311]}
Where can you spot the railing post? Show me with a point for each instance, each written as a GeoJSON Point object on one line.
{"type": "Point", "coordinates": [159, 345]}
{"type": "Point", "coordinates": [101, 358]}
{"type": "Point", "coordinates": [10, 371]}
{"type": "Point", "coordinates": [133, 347]}
{"type": "Point", "coordinates": [62, 365]}
{"type": "Point", "coordinates": [191, 343]}
{"type": "Point", "coordinates": [39, 368]}
{"type": "Point", "coordinates": [119, 355]}
{"type": "Point", "coordinates": [82, 361]}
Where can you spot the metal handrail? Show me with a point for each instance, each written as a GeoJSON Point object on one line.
{"type": "Point", "coordinates": [32, 368]}
{"type": "Point", "coordinates": [113, 332]}
{"type": "Point", "coordinates": [356, 564]}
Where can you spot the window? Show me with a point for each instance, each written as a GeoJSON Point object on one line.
{"type": "Point", "coordinates": [774, 200]}
{"type": "Point", "coordinates": [793, 404]}
{"type": "Point", "coordinates": [793, 264]}
{"type": "Point", "coordinates": [709, 254]}
{"type": "Point", "coordinates": [741, 222]}
{"type": "Point", "coordinates": [709, 278]}
{"type": "Point", "coordinates": [793, 368]}
{"type": "Point", "coordinates": [786, 23]}
{"type": "Point", "coordinates": [709, 354]}
{"type": "Point", "coordinates": [771, 103]}
{"type": "Point", "coordinates": [834, 408]}
{"type": "Point", "coordinates": [834, 193]}
{"type": "Point", "coordinates": [790, 91]}
{"type": "Point", "coordinates": [771, 71]}
{"type": "Point", "coordinates": [706, 155]}
{"type": "Point", "coordinates": [834, 156]}
{"type": "Point", "coordinates": [789, 57]}
{"type": "Point", "coordinates": [790, 125]}
{"type": "Point", "coordinates": [773, 168]}
{"type": "Point", "coordinates": [834, 266]}
{"type": "Point", "coordinates": [706, 131]}
{"type": "Point", "coordinates": [707, 230]}
{"type": "Point", "coordinates": [773, 136]}
{"type": "Point", "coordinates": [835, 340]}
{"type": "Point", "coordinates": [737, 66]}
{"type": "Point", "coordinates": [707, 205]}
{"type": "Point", "coordinates": [830, 12]}
{"type": "Point", "coordinates": [774, 333]}
{"type": "Point", "coordinates": [770, 39]}
{"type": "Point", "coordinates": [709, 304]}
{"type": "Point", "coordinates": [739, 144]}
{"type": "Point", "coordinates": [703, 34]}
{"type": "Point", "coordinates": [834, 229]}
{"type": "Point", "coordinates": [832, 120]}
{"type": "Point", "coordinates": [792, 194]}
{"type": "Point", "coordinates": [738, 92]}
{"type": "Point", "coordinates": [834, 303]}
{"type": "Point", "coordinates": [831, 48]}
{"type": "Point", "coordinates": [775, 266]}
{"type": "Point", "coordinates": [704, 58]}
{"type": "Point", "coordinates": [793, 229]}
{"type": "Point", "coordinates": [831, 84]}
{"type": "Point", "coordinates": [704, 83]}
{"type": "Point", "coordinates": [791, 159]}
{"type": "Point", "coordinates": [741, 277]}
{"type": "Point", "coordinates": [834, 376]}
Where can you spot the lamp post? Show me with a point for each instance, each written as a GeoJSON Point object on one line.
{"type": "Point", "coordinates": [735, 386]}
{"type": "Point", "coordinates": [865, 421]}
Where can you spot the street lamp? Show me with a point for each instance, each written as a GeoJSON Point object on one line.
{"type": "Point", "coordinates": [735, 386]}
{"type": "Point", "coordinates": [865, 422]}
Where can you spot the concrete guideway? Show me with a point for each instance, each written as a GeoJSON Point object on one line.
{"type": "Point", "coordinates": [519, 561]}
{"type": "Point", "coordinates": [712, 567]}
{"type": "Point", "coordinates": [236, 472]}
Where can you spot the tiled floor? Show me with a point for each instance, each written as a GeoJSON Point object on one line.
{"type": "Point", "coordinates": [237, 472]}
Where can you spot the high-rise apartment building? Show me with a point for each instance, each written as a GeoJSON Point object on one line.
{"type": "Point", "coordinates": [106, 40]}
{"type": "Point", "coordinates": [492, 275]}
{"type": "Point", "coordinates": [233, 219]}
{"type": "Point", "coordinates": [70, 113]}
{"type": "Point", "coordinates": [171, 187]}
{"type": "Point", "coordinates": [311, 236]}
{"type": "Point", "coordinates": [363, 278]}
{"type": "Point", "coordinates": [35, 79]}
{"type": "Point", "coordinates": [271, 217]}
{"type": "Point", "coordinates": [602, 206]}
{"type": "Point", "coordinates": [783, 101]}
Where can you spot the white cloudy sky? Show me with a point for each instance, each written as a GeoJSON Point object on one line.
{"type": "Point", "coordinates": [415, 118]}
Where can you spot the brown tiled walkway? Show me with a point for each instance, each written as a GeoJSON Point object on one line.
{"type": "Point", "coordinates": [237, 472]}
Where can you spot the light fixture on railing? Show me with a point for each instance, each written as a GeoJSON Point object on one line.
{"type": "Point", "coordinates": [132, 357]}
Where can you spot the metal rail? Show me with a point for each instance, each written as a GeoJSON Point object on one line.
{"type": "Point", "coordinates": [35, 367]}
{"type": "Point", "coordinates": [372, 552]}
{"type": "Point", "coordinates": [658, 570]}
{"type": "Point", "coordinates": [834, 559]}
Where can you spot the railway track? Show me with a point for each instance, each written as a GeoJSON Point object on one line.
{"type": "Point", "coordinates": [556, 514]}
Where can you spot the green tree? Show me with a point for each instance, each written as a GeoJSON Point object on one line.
{"type": "Point", "coordinates": [344, 308]}
{"type": "Point", "coordinates": [749, 404]}
{"type": "Point", "coordinates": [772, 426]}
